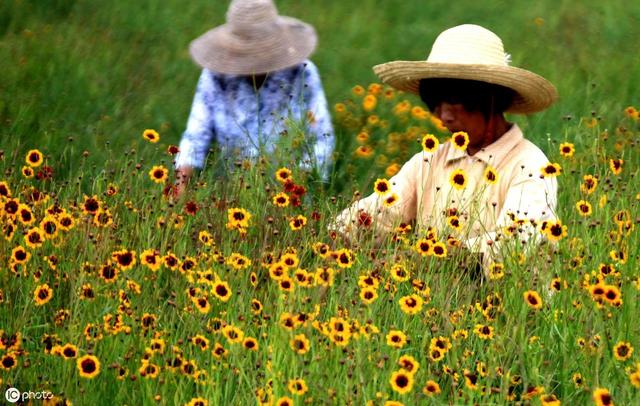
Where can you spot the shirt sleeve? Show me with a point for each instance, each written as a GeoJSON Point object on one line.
{"type": "Point", "coordinates": [371, 212]}
{"type": "Point", "coordinates": [319, 120]}
{"type": "Point", "coordinates": [197, 137]}
{"type": "Point", "coordinates": [529, 202]}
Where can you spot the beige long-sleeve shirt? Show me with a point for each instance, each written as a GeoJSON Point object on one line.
{"type": "Point", "coordinates": [484, 209]}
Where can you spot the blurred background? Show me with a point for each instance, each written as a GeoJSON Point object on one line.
{"type": "Point", "coordinates": [103, 71]}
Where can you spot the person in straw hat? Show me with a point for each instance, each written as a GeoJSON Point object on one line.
{"type": "Point", "coordinates": [255, 78]}
{"type": "Point", "coordinates": [488, 178]}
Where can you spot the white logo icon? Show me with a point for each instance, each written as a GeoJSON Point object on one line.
{"type": "Point", "coordinates": [12, 395]}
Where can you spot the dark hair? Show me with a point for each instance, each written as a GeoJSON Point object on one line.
{"type": "Point", "coordinates": [472, 94]}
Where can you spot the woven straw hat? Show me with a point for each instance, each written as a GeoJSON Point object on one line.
{"type": "Point", "coordinates": [472, 52]}
{"type": "Point", "coordinates": [254, 40]}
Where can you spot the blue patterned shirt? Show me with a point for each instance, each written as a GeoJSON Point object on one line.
{"type": "Point", "coordinates": [240, 120]}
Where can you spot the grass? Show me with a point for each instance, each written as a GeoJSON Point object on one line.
{"type": "Point", "coordinates": [82, 80]}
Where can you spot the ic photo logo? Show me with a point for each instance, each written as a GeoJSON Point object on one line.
{"type": "Point", "coordinates": [13, 395]}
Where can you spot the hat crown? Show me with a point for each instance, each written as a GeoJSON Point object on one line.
{"type": "Point", "coordinates": [251, 17]}
{"type": "Point", "coordinates": [468, 44]}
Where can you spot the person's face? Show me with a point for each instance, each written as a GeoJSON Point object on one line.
{"type": "Point", "coordinates": [456, 117]}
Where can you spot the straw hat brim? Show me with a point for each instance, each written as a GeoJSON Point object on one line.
{"type": "Point", "coordinates": [220, 50]}
{"type": "Point", "coordinates": [534, 93]}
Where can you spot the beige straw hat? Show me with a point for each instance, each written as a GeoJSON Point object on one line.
{"type": "Point", "coordinates": [254, 40]}
{"type": "Point", "coordinates": [471, 52]}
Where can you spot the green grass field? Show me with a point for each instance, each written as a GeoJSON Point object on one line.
{"type": "Point", "coordinates": [174, 301]}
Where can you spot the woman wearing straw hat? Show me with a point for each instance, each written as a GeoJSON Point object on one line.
{"type": "Point", "coordinates": [256, 78]}
{"type": "Point", "coordinates": [482, 182]}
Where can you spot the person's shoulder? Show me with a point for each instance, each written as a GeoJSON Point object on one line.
{"type": "Point", "coordinates": [528, 151]}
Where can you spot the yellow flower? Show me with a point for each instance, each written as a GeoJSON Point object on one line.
{"type": "Point", "coordinates": [358, 90]}
{"type": "Point", "coordinates": [460, 140]}
{"type": "Point", "coordinates": [151, 136]}
{"type": "Point", "coordinates": [381, 186]}
{"type": "Point", "coordinates": [622, 351]}
{"type": "Point", "coordinates": [296, 223]}
{"type": "Point", "coordinates": [369, 102]}
{"type": "Point", "coordinates": [431, 388]}
{"type": "Point", "coordinates": [490, 175]}
{"type": "Point", "coordinates": [390, 200]}
{"type": "Point", "coordinates": [88, 366]}
{"type": "Point", "coordinates": [300, 344]}
{"type": "Point", "coordinates": [42, 294]}
{"type": "Point", "coordinates": [567, 149]}
{"type": "Point", "coordinates": [551, 170]}
{"type": "Point", "coordinates": [297, 386]}
{"type": "Point", "coordinates": [396, 339]}
{"type": "Point", "coordinates": [429, 143]}
{"type": "Point", "coordinates": [616, 166]}
{"type": "Point", "coordinates": [364, 151]}
{"type": "Point", "coordinates": [458, 179]}
{"type": "Point", "coordinates": [34, 158]}
{"type": "Point", "coordinates": [584, 208]}
{"type": "Point", "coordinates": [532, 298]}
{"type": "Point", "coordinates": [589, 185]}
{"type": "Point", "coordinates": [411, 304]}
{"type": "Point", "coordinates": [283, 175]}
{"type": "Point", "coordinates": [159, 174]}
{"type": "Point", "coordinates": [602, 397]}
{"type": "Point", "coordinates": [281, 199]}
{"type": "Point", "coordinates": [392, 169]}
{"type": "Point", "coordinates": [401, 381]}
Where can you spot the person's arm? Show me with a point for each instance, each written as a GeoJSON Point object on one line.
{"type": "Point", "coordinates": [197, 137]}
{"type": "Point", "coordinates": [371, 212]}
{"type": "Point", "coordinates": [319, 121]}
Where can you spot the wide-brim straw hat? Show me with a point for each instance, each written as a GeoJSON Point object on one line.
{"type": "Point", "coordinates": [254, 40]}
{"type": "Point", "coordinates": [471, 52]}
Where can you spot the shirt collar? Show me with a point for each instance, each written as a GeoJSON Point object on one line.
{"type": "Point", "coordinates": [494, 153]}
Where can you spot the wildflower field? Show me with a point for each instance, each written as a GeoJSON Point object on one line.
{"type": "Point", "coordinates": [112, 292]}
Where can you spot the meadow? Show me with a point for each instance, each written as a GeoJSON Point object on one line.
{"type": "Point", "coordinates": [111, 292]}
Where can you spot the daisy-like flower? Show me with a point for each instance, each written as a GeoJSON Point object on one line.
{"type": "Point", "coordinates": [238, 218]}
{"type": "Point", "coordinates": [151, 135]}
{"type": "Point", "coordinates": [382, 187]}
{"type": "Point", "coordinates": [429, 143]}
{"type": "Point", "coordinates": [584, 208]}
{"type": "Point", "coordinates": [439, 250]}
{"type": "Point", "coordinates": [589, 184]}
{"type": "Point", "coordinates": [19, 255]}
{"type": "Point", "coordinates": [411, 304]}
{"type": "Point", "coordinates": [34, 238]}
{"type": "Point", "coordinates": [532, 299]}
{"type": "Point", "coordinates": [221, 291]}
{"type": "Point", "coordinates": [159, 174]}
{"type": "Point", "coordinates": [34, 158]}
{"type": "Point", "coordinates": [42, 294]}
{"type": "Point", "coordinates": [300, 344]}
{"type": "Point", "coordinates": [602, 397]}
{"type": "Point", "coordinates": [27, 172]}
{"type": "Point", "coordinates": [396, 339]}
{"type": "Point", "coordinates": [424, 247]}
{"type": "Point", "coordinates": [5, 190]}
{"type": "Point", "coordinates": [296, 223]}
{"type": "Point", "coordinates": [458, 179]}
{"type": "Point", "coordinates": [283, 175]}
{"type": "Point", "coordinates": [622, 351]}
{"type": "Point", "coordinates": [88, 366]}
{"type": "Point", "coordinates": [567, 149]}
{"type": "Point", "coordinates": [281, 199]}
{"type": "Point", "coordinates": [297, 386]}
{"type": "Point", "coordinates": [484, 331]}
{"type": "Point", "coordinates": [496, 271]}
{"type": "Point", "coordinates": [490, 175]}
{"type": "Point", "coordinates": [369, 102]}
{"type": "Point", "coordinates": [460, 140]}
{"type": "Point", "coordinates": [616, 166]}
{"type": "Point", "coordinates": [555, 231]}
{"type": "Point", "coordinates": [401, 381]}
{"type": "Point", "coordinates": [344, 257]}
{"type": "Point", "coordinates": [551, 170]}
{"type": "Point", "coordinates": [409, 364]}
{"type": "Point", "coordinates": [390, 200]}
{"type": "Point", "coordinates": [431, 388]}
